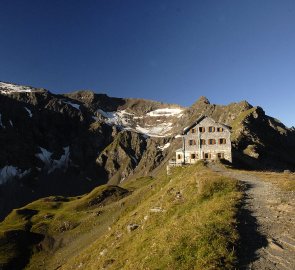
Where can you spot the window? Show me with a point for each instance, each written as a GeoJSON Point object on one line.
{"type": "Point", "coordinates": [220, 155]}
{"type": "Point", "coordinates": [192, 142]}
{"type": "Point", "coordinates": [219, 129]}
{"type": "Point", "coordinates": [222, 141]}
{"type": "Point", "coordinates": [207, 156]}
{"type": "Point", "coordinates": [211, 129]}
{"type": "Point", "coordinates": [201, 129]}
{"type": "Point", "coordinates": [211, 141]}
{"type": "Point", "coordinates": [178, 156]}
{"type": "Point", "coordinates": [193, 130]}
{"type": "Point", "coordinates": [202, 142]}
{"type": "Point", "coordinates": [193, 156]}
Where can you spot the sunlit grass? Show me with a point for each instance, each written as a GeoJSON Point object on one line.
{"type": "Point", "coordinates": [285, 181]}
{"type": "Point", "coordinates": [195, 228]}
{"type": "Point", "coordinates": [185, 221]}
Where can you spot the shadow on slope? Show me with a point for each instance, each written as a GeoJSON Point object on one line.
{"type": "Point", "coordinates": [251, 239]}
{"type": "Point", "coordinates": [41, 226]}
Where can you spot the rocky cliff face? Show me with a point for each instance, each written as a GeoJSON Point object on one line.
{"type": "Point", "coordinates": [68, 144]}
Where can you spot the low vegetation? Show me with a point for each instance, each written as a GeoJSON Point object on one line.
{"type": "Point", "coordinates": [285, 181]}
{"type": "Point", "coordinates": [182, 221]}
{"type": "Point", "coordinates": [238, 124]}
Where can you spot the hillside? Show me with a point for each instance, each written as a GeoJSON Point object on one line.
{"type": "Point", "coordinates": [184, 221]}
{"type": "Point", "coordinates": [69, 144]}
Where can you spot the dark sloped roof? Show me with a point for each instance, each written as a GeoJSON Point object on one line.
{"type": "Point", "coordinates": [199, 120]}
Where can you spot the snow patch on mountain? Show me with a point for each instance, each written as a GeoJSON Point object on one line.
{"type": "Point", "coordinates": [119, 118]}
{"type": "Point", "coordinates": [108, 115]}
{"type": "Point", "coordinates": [9, 172]}
{"type": "Point", "coordinates": [52, 164]}
{"type": "Point", "coordinates": [74, 105]}
{"type": "Point", "coordinates": [1, 124]}
{"type": "Point", "coordinates": [45, 156]}
{"type": "Point", "coordinates": [130, 121]}
{"type": "Point", "coordinates": [165, 146]}
{"type": "Point", "coordinates": [8, 88]}
{"type": "Point", "coordinates": [95, 118]}
{"type": "Point", "coordinates": [29, 111]}
{"type": "Point", "coordinates": [134, 159]}
{"type": "Point", "coordinates": [166, 112]}
{"type": "Point", "coordinates": [63, 162]}
{"type": "Point", "coordinates": [160, 130]}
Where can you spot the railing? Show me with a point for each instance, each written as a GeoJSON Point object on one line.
{"type": "Point", "coordinates": [173, 162]}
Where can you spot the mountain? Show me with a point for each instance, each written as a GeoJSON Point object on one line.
{"type": "Point", "coordinates": [68, 144]}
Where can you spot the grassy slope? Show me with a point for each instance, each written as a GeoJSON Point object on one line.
{"type": "Point", "coordinates": [237, 124]}
{"type": "Point", "coordinates": [195, 227]}
{"type": "Point", "coordinates": [285, 181]}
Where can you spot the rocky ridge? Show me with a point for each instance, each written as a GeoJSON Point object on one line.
{"type": "Point", "coordinates": [68, 144]}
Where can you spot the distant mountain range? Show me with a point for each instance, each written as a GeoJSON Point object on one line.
{"type": "Point", "coordinates": [68, 144]}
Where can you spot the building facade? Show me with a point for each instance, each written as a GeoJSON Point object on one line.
{"type": "Point", "coordinates": [206, 140]}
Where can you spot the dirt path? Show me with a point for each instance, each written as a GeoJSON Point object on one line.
{"type": "Point", "coordinates": [267, 224]}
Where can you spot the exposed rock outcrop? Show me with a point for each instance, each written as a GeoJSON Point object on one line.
{"type": "Point", "coordinates": [68, 144]}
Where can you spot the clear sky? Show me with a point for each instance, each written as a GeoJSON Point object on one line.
{"type": "Point", "coordinates": [168, 50]}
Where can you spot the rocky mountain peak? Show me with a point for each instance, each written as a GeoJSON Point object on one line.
{"type": "Point", "coordinates": [85, 96]}
{"type": "Point", "coordinates": [244, 104]}
{"type": "Point", "coordinates": [203, 99]}
{"type": "Point", "coordinates": [202, 102]}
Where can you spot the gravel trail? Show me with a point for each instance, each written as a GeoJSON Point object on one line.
{"type": "Point", "coordinates": [267, 223]}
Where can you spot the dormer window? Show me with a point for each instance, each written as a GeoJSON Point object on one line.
{"type": "Point", "coordinates": [211, 129]}
{"type": "Point", "coordinates": [201, 129]}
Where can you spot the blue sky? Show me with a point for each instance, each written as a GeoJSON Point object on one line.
{"type": "Point", "coordinates": [168, 50]}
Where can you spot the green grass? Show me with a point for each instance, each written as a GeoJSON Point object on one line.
{"type": "Point", "coordinates": [285, 181]}
{"type": "Point", "coordinates": [195, 227]}
{"type": "Point", "coordinates": [237, 124]}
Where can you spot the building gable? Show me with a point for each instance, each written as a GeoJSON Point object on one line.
{"type": "Point", "coordinates": [206, 121]}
